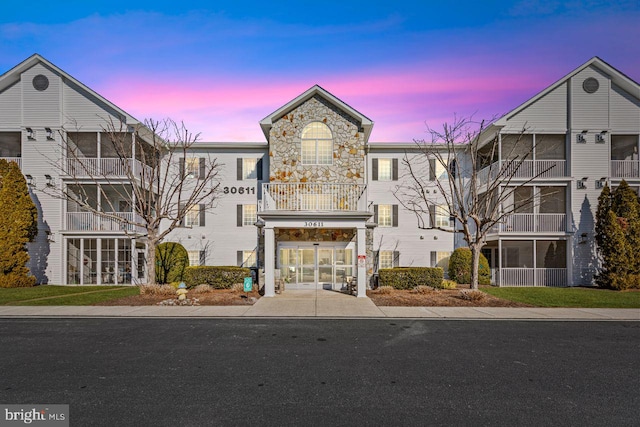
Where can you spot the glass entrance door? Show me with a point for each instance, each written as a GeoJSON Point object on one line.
{"type": "Point", "coordinates": [310, 267]}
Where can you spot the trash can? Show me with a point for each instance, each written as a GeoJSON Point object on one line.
{"type": "Point", "coordinates": [255, 276]}
{"type": "Point", "coordinates": [375, 278]}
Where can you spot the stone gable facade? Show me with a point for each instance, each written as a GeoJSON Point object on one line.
{"type": "Point", "coordinates": [348, 164]}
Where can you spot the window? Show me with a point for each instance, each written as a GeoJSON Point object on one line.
{"type": "Point", "coordinates": [384, 215]}
{"type": "Point", "coordinates": [442, 217]}
{"type": "Point", "coordinates": [10, 144]}
{"type": "Point", "coordinates": [384, 169]}
{"type": "Point", "coordinates": [196, 257]}
{"type": "Point", "coordinates": [440, 259]}
{"type": "Point", "coordinates": [249, 169]}
{"type": "Point", "coordinates": [192, 216]}
{"type": "Point", "coordinates": [316, 144]}
{"type": "Point", "coordinates": [246, 258]}
{"type": "Point", "coordinates": [193, 167]}
{"type": "Point", "coordinates": [388, 259]}
{"type": "Point", "coordinates": [247, 215]}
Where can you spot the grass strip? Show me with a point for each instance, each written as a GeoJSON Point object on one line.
{"type": "Point", "coordinates": [30, 296]}
{"type": "Point", "coordinates": [568, 297]}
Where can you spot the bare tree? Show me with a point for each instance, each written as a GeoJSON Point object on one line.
{"type": "Point", "coordinates": [146, 181]}
{"type": "Point", "coordinates": [478, 191]}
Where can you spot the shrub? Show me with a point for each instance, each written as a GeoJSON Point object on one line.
{"type": "Point", "coordinates": [220, 277]}
{"type": "Point", "coordinates": [164, 290]}
{"type": "Point", "coordinates": [448, 284]}
{"type": "Point", "coordinates": [473, 296]}
{"type": "Point", "coordinates": [171, 260]}
{"type": "Point", "coordinates": [385, 290]}
{"type": "Point", "coordinates": [422, 289]}
{"type": "Point", "coordinates": [202, 289]}
{"type": "Point", "coordinates": [237, 287]}
{"type": "Point", "coordinates": [410, 277]}
{"type": "Point", "coordinates": [460, 267]}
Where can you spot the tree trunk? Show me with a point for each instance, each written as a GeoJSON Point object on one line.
{"type": "Point", "coordinates": [151, 261]}
{"type": "Point", "coordinates": [475, 263]}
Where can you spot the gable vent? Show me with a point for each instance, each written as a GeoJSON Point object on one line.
{"type": "Point", "coordinates": [590, 85]}
{"type": "Point", "coordinates": [40, 82]}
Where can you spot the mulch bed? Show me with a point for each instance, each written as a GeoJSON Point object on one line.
{"type": "Point", "coordinates": [219, 297]}
{"type": "Point", "coordinates": [437, 298]}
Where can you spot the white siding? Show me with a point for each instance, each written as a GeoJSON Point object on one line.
{"type": "Point", "coordinates": [625, 111]}
{"type": "Point", "coordinates": [590, 110]}
{"type": "Point", "coordinates": [549, 113]}
{"type": "Point", "coordinates": [10, 107]}
{"type": "Point", "coordinates": [85, 111]}
{"type": "Point", "coordinates": [36, 161]}
{"type": "Point", "coordinates": [41, 108]}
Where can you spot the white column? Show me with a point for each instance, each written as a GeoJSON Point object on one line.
{"type": "Point", "coordinates": [362, 262]}
{"type": "Point", "coordinates": [269, 262]}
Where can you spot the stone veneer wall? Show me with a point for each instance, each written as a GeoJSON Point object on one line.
{"type": "Point", "coordinates": [348, 145]}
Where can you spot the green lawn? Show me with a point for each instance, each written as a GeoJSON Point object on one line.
{"type": "Point", "coordinates": [64, 295]}
{"type": "Point", "coordinates": [568, 297]}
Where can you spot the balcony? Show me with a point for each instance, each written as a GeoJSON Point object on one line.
{"type": "Point", "coordinates": [313, 197]}
{"type": "Point", "coordinates": [18, 160]}
{"type": "Point", "coordinates": [527, 169]}
{"type": "Point", "coordinates": [520, 277]}
{"type": "Point", "coordinates": [89, 221]}
{"type": "Point", "coordinates": [91, 167]}
{"type": "Point", "coordinates": [531, 223]}
{"type": "Point", "coordinates": [625, 169]}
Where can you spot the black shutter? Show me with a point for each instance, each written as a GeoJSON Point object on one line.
{"type": "Point", "coordinates": [202, 211]}
{"type": "Point", "coordinates": [240, 259]}
{"type": "Point", "coordinates": [239, 215]}
{"type": "Point", "coordinates": [375, 213]}
{"type": "Point", "coordinates": [259, 169]}
{"type": "Point", "coordinates": [239, 170]}
{"type": "Point", "coordinates": [434, 261]}
{"type": "Point", "coordinates": [376, 260]}
{"type": "Point", "coordinates": [394, 216]}
{"type": "Point", "coordinates": [432, 215]}
{"type": "Point", "coordinates": [396, 258]}
{"type": "Point", "coordinates": [182, 213]}
{"type": "Point", "coordinates": [374, 169]}
{"type": "Point", "coordinates": [394, 170]}
{"type": "Point", "coordinates": [432, 169]}
{"type": "Point", "coordinates": [181, 163]}
{"type": "Point", "coordinates": [203, 257]}
{"type": "Point", "coordinates": [202, 168]}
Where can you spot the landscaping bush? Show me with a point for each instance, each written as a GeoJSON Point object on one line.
{"type": "Point", "coordinates": [171, 260]}
{"type": "Point", "coordinates": [385, 290]}
{"type": "Point", "coordinates": [410, 277]}
{"type": "Point", "coordinates": [473, 296]}
{"type": "Point", "coordinates": [165, 290]}
{"type": "Point", "coordinates": [448, 284]}
{"type": "Point", "coordinates": [220, 277]}
{"type": "Point", "coordinates": [422, 289]}
{"type": "Point", "coordinates": [202, 289]}
{"type": "Point", "coordinates": [460, 267]}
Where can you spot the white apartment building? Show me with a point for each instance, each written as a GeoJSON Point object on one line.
{"type": "Point", "coordinates": [313, 203]}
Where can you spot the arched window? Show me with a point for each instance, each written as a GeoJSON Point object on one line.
{"type": "Point", "coordinates": [317, 144]}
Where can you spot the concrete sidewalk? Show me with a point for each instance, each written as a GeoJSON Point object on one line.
{"type": "Point", "coordinates": [324, 304]}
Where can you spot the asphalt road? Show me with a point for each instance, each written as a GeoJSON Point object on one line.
{"type": "Point", "coordinates": [191, 372]}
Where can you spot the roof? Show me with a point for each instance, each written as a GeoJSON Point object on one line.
{"type": "Point", "coordinates": [617, 77]}
{"type": "Point", "coordinates": [267, 122]}
{"type": "Point", "coordinates": [13, 76]}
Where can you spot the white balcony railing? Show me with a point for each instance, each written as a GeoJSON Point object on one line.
{"type": "Point", "coordinates": [89, 221]}
{"type": "Point", "coordinates": [530, 223]}
{"type": "Point", "coordinates": [96, 167]}
{"type": "Point", "coordinates": [18, 160]}
{"type": "Point", "coordinates": [527, 169]}
{"type": "Point", "coordinates": [625, 168]}
{"type": "Point", "coordinates": [313, 197]}
{"type": "Point", "coordinates": [554, 277]}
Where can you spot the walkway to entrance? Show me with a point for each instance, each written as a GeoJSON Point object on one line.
{"type": "Point", "coordinates": [305, 303]}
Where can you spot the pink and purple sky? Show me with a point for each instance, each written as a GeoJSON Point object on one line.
{"type": "Point", "coordinates": [222, 66]}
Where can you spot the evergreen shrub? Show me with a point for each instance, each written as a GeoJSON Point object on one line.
{"type": "Point", "coordinates": [171, 260]}
{"type": "Point", "coordinates": [219, 277]}
{"type": "Point", "coordinates": [460, 267]}
{"type": "Point", "coordinates": [411, 277]}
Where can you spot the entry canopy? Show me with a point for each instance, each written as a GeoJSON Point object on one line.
{"type": "Point", "coordinates": [365, 123]}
